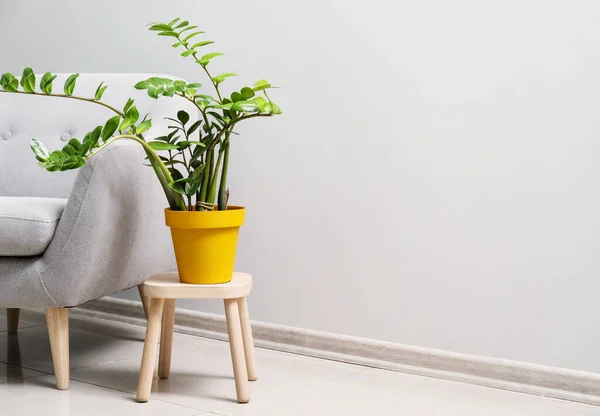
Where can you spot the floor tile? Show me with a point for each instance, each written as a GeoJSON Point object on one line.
{"type": "Point", "coordinates": [15, 374]}
{"type": "Point", "coordinates": [37, 396]}
{"type": "Point", "coordinates": [89, 345]}
{"type": "Point", "coordinates": [202, 375]}
{"type": "Point", "coordinates": [574, 409]}
{"type": "Point", "coordinates": [361, 395]}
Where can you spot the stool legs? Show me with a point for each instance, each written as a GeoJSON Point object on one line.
{"type": "Point", "coordinates": [155, 311]}
{"type": "Point", "coordinates": [166, 339]}
{"type": "Point", "coordinates": [236, 345]}
{"type": "Point", "coordinates": [144, 299]}
{"type": "Point", "coordinates": [247, 337]}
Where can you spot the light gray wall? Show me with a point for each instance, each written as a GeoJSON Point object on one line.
{"type": "Point", "coordinates": [435, 179]}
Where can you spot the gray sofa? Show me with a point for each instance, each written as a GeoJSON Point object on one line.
{"type": "Point", "coordinates": [67, 238]}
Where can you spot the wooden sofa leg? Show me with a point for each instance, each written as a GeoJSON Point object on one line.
{"type": "Point", "coordinates": [58, 329]}
{"type": "Point", "coordinates": [12, 318]}
{"type": "Point", "coordinates": [144, 299]}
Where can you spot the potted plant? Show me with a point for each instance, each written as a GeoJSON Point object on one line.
{"type": "Point", "coordinates": [191, 162]}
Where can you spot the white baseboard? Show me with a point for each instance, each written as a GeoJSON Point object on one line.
{"type": "Point", "coordinates": [517, 376]}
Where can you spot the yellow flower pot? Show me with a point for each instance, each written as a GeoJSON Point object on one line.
{"type": "Point", "coordinates": [205, 243]}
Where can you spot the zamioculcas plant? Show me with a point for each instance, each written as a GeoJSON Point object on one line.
{"type": "Point", "coordinates": [191, 161]}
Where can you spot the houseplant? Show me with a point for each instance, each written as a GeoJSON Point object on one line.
{"type": "Point", "coordinates": [191, 162]}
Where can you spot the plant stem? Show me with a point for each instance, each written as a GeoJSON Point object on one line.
{"type": "Point", "coordinates": [212, 190]}
{"type": "Point", "coordinates": [205, 178]}
{"type": "Point", "coordinates": [175, 200]}
{"type": "Point", "coordinates": [222, 201]}
{"type": "Point", "coordinates": [72, 97]}
{"type": "Point", "coordinates": [185, 163]}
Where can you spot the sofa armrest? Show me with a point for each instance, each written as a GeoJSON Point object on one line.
{"type": "Point", "coordinates": [112, 234]}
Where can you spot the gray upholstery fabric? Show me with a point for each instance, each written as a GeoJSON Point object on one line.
{"type": "Point", "coordinates": [27, 224]}
{"type": "Point", "coordinates": [112, 234]}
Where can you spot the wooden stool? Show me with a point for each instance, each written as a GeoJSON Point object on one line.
{"type": "Point", "coordinates": [161, 290]}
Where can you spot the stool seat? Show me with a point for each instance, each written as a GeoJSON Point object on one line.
{"type": "Point", "coordinates": [168, 286]}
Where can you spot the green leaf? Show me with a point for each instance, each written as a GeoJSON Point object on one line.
{"type": "Point", "coordinates": [85, 147]}
{"type": "Point", "coordinates": [110, 128]}
{"type": "Point", "coordinates": [236, 96]}
{"type": "Point", "coordinates": [160, 146]}
{"type": "Point", "coordinates": [172, 22]}
{"type": "Point", "coordinates": [245, 106]}
{"type": "Point", "coordinates": [128, 105]}
{"type": "Point", "coordinates": [247, 93]}
{"type": "Point", "coordinates": [220, 78]}
{"type": "Point", "coordinates": [175, 174]}
{"type": "Point", "coordinates": [157, 86]}
{"type": "Point", "coordinates": [46, 82]}
{"type": "Point", "coordinates": [180, 86]}
{"type": "Point", "coordinates": [191, 35]}
{"type": "Point", "coordinates": [185, 54]}
{"type": "Point", "coordinates": [275, 109]}
{"type": "Point", "coordinates": [143, 126]}
{"type": "Point", "coordinates": [194, 127]}
{"type": "Point", "coordinates": [203, 43]}
{"type": "Point", "coordinates": [186, 29]}
{"type": "Point", "coordinates": [93, 137]}
{"type": "Point", "coordinates": [227, 106]}
{"type": "Point", "coordinates": [266, 108]}
{"type": "Point", "coordinates": [261, 85]}
{"type": "Point", "coordinates": [28, 80]}
{"type": "Point", "coordinates": [206, 97]}
{"type": "Point", "coordinates": [70, 84]}
{"type": "Point", "coordinates": [143, 85]}
{"type": "Point", "coordinates": [179, 186]}
{"type": "Point", "coordinates": [9, 83]}
{"type": "Point", "coordinates": [130, 119]}
{"type": "Point", "coordinates": [40, 151]}
{"type": "Point", "coordinates": [69, 150]}
{"type": "Point", "coordinates": [188, 143]}
{"type": "Point", "coordinates": [194, 85]}
{"type": "Point", "coordinates": [178, 44]}
{"type": "Point", "coordinates": [169, 33]}
{"type": "Point", "coordinates": [206, 58]}
{"type": "Point", "coordinates": [183, 117]}
{"type": "Point", "coordinates": [100, 91]}
{"type": "Point", "coordinates": [75, 144]}
{"type": "Point", "coordinates": [188, 186]}
{"type": "Point", "coordinates": [160, 27]}
{"type": "Point", "coordinates": [72, 162]}
{"type": "Point", "coordinates": [182, 24]}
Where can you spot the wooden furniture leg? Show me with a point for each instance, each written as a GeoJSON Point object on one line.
{"type": "Point", "coordinates": [58, 330]}
{"type": "Point", "coordinates": [144, 299]}
{"type": "Point", "coordinates": [12, 319]}
{"type": "Point", "coordinates": [247, 337]}
{"type": "Point", "coordinates": [236, 345]}
{"type": "Point", "coordinates": [166, 339]}
{"type": "Point", "coordinates": [150, 346]}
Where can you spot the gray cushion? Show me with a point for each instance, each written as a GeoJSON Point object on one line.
{"type": "Point", "coordinates": [27, 224]}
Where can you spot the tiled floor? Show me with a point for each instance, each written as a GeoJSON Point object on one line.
{"type": "Point", "coordinates": [105, 360]}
